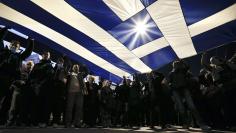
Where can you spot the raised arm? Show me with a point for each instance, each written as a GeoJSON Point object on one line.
{"type": "Point", "coordinates": [204, 63]}
{"type": "Point", "coordinates": [3, 33]}
{"type": "Point", "coordinates": [28, 50]}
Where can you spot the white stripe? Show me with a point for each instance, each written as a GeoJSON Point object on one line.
{"type": "Point", "coordinates": [195, 29]}
{"type": "Point", "coordinates": [150, 47]}
{"type": "Point", "coordinates": [220, 18]}
{"type": "Point", "coordinates": [16, 32]}
{"type": "Point", "coordinates": [124, 9]}
{"type": "Point", "coordinates": [169, 18]}
{"type": "Point", "coordinates": [69, 15]}
{"type": "Point", "coordinates": [13, 15]}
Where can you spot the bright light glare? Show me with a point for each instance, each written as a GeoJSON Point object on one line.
{"type": "Point", "coordinates": [140, 28]}
{"type": "Point", "coordinates": [138, 31]}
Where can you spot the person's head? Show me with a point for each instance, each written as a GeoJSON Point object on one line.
{"type": "Point", "coordinates": [29, 65]}
{"type": "Point", "coordinates": [75, 68]}
{"type": "Point", "coordinates": [14, 46]}
{"type": "Point", "coordinates": [105, 83]}
{"type": "Point", "coordinates": [91, 79]}
{"type": "Point", "coordinates": [60, 61]}
{"type": "Point", "coordinates": [109, 83]}
{"type": "Point", "coordinates": [152, 74]}
{"type": "Point", "coordinates": [128, 81]}
{"type": "Point", "coordinates": [178, 65]}
{"type": "Point", "coordinates": [46, 55]}
{"type": "Point", "coordinates": [216, 60]}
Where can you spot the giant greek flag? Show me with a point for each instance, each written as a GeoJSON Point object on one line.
{"type": "Point", "coordinates": [116, 38]}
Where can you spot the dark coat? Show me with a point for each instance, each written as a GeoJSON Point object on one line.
{"type": "Point", "coordinates": [41, 76]}
{"type": "Point", "coordinates": [10, 63]}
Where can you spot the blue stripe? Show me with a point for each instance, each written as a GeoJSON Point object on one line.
{"type": "Point", "coordinates": [196, 10]}
{"type": "Point", "coordinates": [160, 58]}
{"type": "Point", "coordinates": [35, 12]}
{"type": "Point", "coordinates": [47, 43]}
{"type": "Point", "coordinates": [147, 3]}
{"type": "Point", "coordinates": [123, 31]}
{"type": "Point", "coordinates": [97, 11]}
{"type": "Point", "coordinates": [218, 36]}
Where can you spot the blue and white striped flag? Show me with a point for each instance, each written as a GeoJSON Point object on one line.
{"type": "Point", "coordinates": [116, 38]}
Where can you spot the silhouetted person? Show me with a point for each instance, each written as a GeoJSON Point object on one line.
{"type": "Point", "coordinates": [59, 91]}
{"type": "Point", "coordinates": [76, 89]}
{"type": "Point", "coordinates": [180, 83]}
{"type": "Point", "coordinates": [122, 93]}
{"type": "Point", "coordinates": [159, 98]}
{"type": "Point", "coordinates": [17, 106]}
{"type": "Point", "coordinates": [91, 103]}
{"type": "Point", "coordinates": [224, 80]}
{"type": "Point", "coordinates": [10, 64]}
{"type": "Point", "coordinates": [134, 103]}
{"type": "Point", "coordinates": [106, 104]}
{"type": "Point", "coordinates": [40, 80]}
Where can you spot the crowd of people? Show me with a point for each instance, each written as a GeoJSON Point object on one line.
{"type": "Point", "coordinates": [43, 95]}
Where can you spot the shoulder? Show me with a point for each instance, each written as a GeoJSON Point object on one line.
{"type": "Point", "coordinates": [80, 75]}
